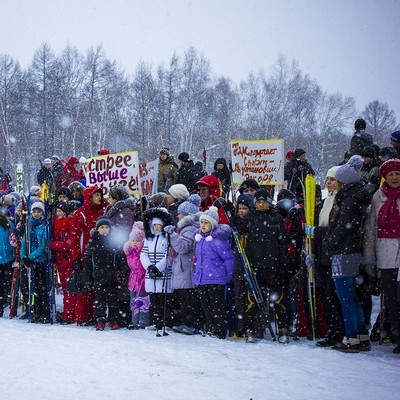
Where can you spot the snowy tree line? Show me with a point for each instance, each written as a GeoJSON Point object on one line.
{"type": "Point", "coordinates": [75, 104]}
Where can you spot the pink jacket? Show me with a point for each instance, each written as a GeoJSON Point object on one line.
{"type": "Point", "coordinates": [137, 274]}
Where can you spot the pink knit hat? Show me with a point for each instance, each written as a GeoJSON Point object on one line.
{"type": "Point", "coordinates": [137, 232]}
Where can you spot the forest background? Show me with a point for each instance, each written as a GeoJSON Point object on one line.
{"type": "Point", "coordinates": [75, 104]}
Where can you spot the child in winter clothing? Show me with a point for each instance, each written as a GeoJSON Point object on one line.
{"type": "Point", "coordinates": [266, 251]}
{"type": "Point", "coordinates": [221, 171]}
{"type": "Point", "coordinates": [214, 265]}
{"type": "Point", "coordinates": [61, 248]}
{"type": "Point", "coordinates": [34, 257]}
{"type": "Point", "coordinates": [102, 266]}
{"type": "Point", "coordinates": [154, 259]}
{"type": "Point", "coordinates": [182, 248]}
{"type": "Point", "coordinates": [140, 300]}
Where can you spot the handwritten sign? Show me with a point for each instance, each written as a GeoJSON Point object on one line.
{"type": "Point", "coordinates": [261, 160]}
{"type": "Point", "coordinates": [148, 177]}
{"type": "Point", "coordinates": [113, 169]}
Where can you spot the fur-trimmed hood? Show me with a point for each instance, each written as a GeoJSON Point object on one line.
{"type": "Point", "coordinates": [157, 212]}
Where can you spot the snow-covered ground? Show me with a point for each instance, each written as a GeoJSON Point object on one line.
{"type": "Point", "coordinates": [43, 362]}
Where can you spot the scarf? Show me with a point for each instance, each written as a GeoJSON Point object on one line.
{"type": "Point", "coordinates": [389, 214]}
{"type": "Point", "coordinates": [329, 201]}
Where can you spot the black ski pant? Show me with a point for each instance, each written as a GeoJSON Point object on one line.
{"type": "Point", "coordinates": [160, 304]}
{"type": "Point", "coordinates": [41, 309]}
{"type": "Point", "coordinates": [190, 308]}
{"type": "Point", "coordinates": [106, 295]}
{"type": "Point", "coordinates": [212, 298]}
{"type": "Point", "coordinates": [389, 281]}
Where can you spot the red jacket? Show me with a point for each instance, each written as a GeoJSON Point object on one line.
{"type": "Point", "coordinates": [83, 221]}
{"type": "Point", "coordinates": [60, 245]}
{"type": "Point", "coordinates": [215, 190]}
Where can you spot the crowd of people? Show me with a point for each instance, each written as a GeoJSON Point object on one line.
{"type": "Point", "coordinates": [196, 256]}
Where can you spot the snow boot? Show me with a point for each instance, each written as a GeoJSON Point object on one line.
{"type": "Point", "coordinates": [365, 344]}
{"type": "Point", "coordinates": [101, 324]}
{"type": "Point", "coordinates": [283, 336]}
{"type": "Point", "coordinates": [250, 337]}
{"type": "Point", "coordinates": [114, 326]}
{"type": "Point", "coordinates": [348, 345]}
{"type": "Point", "coordinates": [396, 350]}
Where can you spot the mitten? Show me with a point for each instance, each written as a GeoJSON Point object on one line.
{"type": "Point", "coordinates": [153, 272]}
{"type": "Point", "coordinates": [169, 229]}
{"type": "Point", "coordinates": [309, 230]}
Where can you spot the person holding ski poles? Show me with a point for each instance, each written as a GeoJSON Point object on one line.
{"type": "Point", "coordinates": [33, 255]}
{"type": "Point", "coordinates": [267, 251]}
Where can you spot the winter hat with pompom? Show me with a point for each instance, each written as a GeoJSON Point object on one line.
{"type": "Point", "coordinates": [190, 206]}
{"type": "Point", "coordinates": [351, 171]}
{"type": "Point", "coordinates": [211, 215]}
{"type": "Point", "coordinates": [137, 232]}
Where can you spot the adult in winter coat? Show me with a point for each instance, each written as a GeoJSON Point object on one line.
{"type": "Point", "coordinates": [185, 174]}
{"type": "Point", "coordinates": [60, 247]}
{"type": "Point", "coordinates": [46, 175]}
{"type": "Point", "coordinates": [182, 249]}
{"type": "Point", "coordinates": [70, 172]}
{"type": "Point", "coordinates": [370, 170]}
{"type": "Point", "coordinates": [323, 264]}
{"type": "Point", "coordinates": [395, 142]}
{"type": "Point", "coordinates": [176, 195]}
{"type": "Point", "coordinates": [56, 169]}
{"type": "Point", "coordinates": [154, 259]}
{"type": "Point", "coordinates": [214, 266]}
{"type": "Point", "coordinates": [209, 189]}
{"type": "Point", "coordinates": [84, 220]}
{"type": "Point", "coordinates": [6, 257]}
{"type": "Point", "coordinates": [382, 241]}
{"type": "Point", "coordinates": [221, 171]}
{"type": "Point", "coordinates": [167, 169]}
{"type": "Point", "coordinates": [360, 139]}
{"type": "Point", "coordinates": [266, 251]}
{"type": "Point", "coordinates": [296, 171]}
{"type": "Point", "coordinates": [343, 243]}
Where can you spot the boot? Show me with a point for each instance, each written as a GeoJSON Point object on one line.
{"type": "Point", "coordinates": [365, 344]}
{"type": "Point", "coordinates": [396, 350]}
{"type": "Point", "coordinates": [114, 326]}
{"type": "Point", "coordinates": [348, 345]}
{"type": "Point", "coordinates": [101, 324]}
{"type": "Point", "coordinates": [283, 336]}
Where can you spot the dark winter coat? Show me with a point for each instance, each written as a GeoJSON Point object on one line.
{"type": "Point", "coordinates": [57, 169]}
{"type": "Point", "coordinates": [267, 243]}
{"type": "Point", "coordinates": [198, 170]}
{"type": "Point", "coordinates": [186, 176]}
{"type": "Point", "coordinates": [214, 259]}
{"type": "Point", "coordinates": [46, 175]}
{"type": "Point", "coordinates": [103, 264]}
{"type": "Point", "coordinates": [359, 141]}
{"type": "Point", "coordinates": [122, 217]}
{"type": "Point", "coordinates": [223, 175]}
{"type": "Point", "coordinates": [295, 173]}
{"type": "Point", "coordinates": [344, 233]}
{"type": "Point", "coordinates": [371, 177]}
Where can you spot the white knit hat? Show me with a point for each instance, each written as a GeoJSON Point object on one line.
{"type": "Point", "coordinates": [332, 171]}
{"type": "Point", "coordinates": [179, 191]}
{"type": "Point", "coordinates": [211, 215]}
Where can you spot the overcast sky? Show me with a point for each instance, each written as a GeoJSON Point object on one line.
{"type": "Point", "coordinates": [347, 46]}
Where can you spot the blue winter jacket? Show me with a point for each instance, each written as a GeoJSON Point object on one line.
{"type": "Point", "coordinates": [214, 258]}
{"type": "Point", "coordinates": [6, 250]}
{"type": "Point", "coordinates": [37, 252]}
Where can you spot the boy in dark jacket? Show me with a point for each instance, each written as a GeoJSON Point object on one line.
{"type": "Point", "coordinates": [221, 171]}
{"type": "Point", "coordinates": [266, 251]}
{"type": "Point", "coordinates": [103, 266]}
